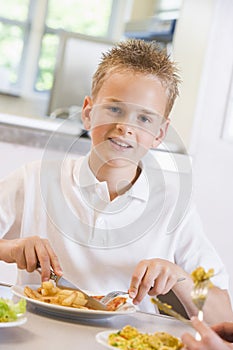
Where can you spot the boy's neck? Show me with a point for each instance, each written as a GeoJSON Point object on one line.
{"type": "Point", "coordinates": [119, 179]}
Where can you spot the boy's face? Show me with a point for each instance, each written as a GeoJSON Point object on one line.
{"type": "Point", "coordinates": [126, 117]}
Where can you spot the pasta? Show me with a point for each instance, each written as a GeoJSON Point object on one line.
{"type": "Point", "coordinates": [200, 275]}
{"type": "Point", "coordinates": [129, 338]}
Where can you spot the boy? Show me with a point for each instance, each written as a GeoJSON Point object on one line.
{"type": "Point", "coordinates": [105, 220]}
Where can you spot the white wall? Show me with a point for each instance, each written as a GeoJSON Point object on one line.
{"type": "Point", "coordinates": [189, 50]}
{"type": "Point", "coordinates": [203, 48]}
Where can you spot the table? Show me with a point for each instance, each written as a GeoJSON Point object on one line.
{"type": "Point", "coordinates": [44, 332]}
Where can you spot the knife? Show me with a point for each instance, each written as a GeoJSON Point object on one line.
{"type": "Point", "coordinates": [63, 283]}
{"type": "Point", "coordinates": [169, 311]}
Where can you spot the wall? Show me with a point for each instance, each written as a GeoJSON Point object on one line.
{"type": "Point", "coordinates": [143, 9]}
{"type": "Point", "coordinates": [189, 50]}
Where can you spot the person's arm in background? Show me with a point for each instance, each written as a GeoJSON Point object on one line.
{"type": "Point", "coordinates": [218, 337]}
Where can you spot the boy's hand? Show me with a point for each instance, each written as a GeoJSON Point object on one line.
{"type": "Point", "coordinates": [154, 276]}
{"type": "Point", "coordinates": [210, 340]}
{"type": "Point", "coordinates": [28, 252]}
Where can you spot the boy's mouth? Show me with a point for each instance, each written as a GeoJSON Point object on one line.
{"type": "Point", "coordinates": [120, 143]}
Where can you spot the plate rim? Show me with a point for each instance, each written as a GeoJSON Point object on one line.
{"type": "Point", "coordinates": [20, 321]}
{"type": "Point", "coordinates": [18, 291]}
{"type": "Point", "coordinates": [100, 337]}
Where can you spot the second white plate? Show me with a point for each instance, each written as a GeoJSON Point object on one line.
{"type": "Point", "coordinates": [18, 322]}
{"type": "Point", "coordinates": [5, 293]}
{"type": "Point", "coordinates": [102, 338]}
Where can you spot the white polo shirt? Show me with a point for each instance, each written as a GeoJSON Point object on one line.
{"type": "Point", "coordinates": [99, 242]}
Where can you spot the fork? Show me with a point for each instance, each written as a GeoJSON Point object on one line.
{"type": "Point", "coordinates": [112, 295]}
{"type": "Point", "coordinates": [115, 293]}
{"type": "Point", "coordinates": [199, 294]}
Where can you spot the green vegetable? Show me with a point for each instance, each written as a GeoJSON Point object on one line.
{"type": "Point", "coordinates": [9, 311]}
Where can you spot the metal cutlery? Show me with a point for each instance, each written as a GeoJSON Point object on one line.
{"type": "Point", "coordinates": [112, 295]}
{"type": "Point", "coordinates": [115, 293]}
{"type": "Point", "coordinates": [63, 283]}
{"type": "Point", "coordinates": [168, 310]}
{"type": "Point", "coordinates": [199, 294]}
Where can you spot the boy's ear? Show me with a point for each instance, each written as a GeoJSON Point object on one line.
{"type": "Point", "coordinates": [161, 134]}
{"type": "Point", "coordinates": [86, 109]}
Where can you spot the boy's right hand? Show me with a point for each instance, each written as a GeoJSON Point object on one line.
{"type": "Point", "coordinates": [28, 252]}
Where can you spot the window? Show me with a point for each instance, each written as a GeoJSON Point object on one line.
{"type": "Point", "coordinates": [14, 29]}
{"type": "Point", "coordinates": [29, 36]}
{"type": "Point", "coordinates": [168, 9]}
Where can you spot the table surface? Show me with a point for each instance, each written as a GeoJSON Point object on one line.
{"type": "Point", "coordinates": [48, 331]}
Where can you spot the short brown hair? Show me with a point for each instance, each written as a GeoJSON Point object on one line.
{"type": "Point", "coordinates": [143, 57]}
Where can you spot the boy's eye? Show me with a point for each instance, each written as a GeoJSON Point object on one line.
{"type": "Point", "coordinates": [114, 109]}
{"type": "Point", "coordinates": [144, 119]}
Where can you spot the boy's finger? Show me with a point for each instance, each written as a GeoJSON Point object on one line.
{"type": "Point", "coordinates": [136, 279]}
{"type": "Point", "coordinates": [54, 261]}
{"type": "Point", "coordinates": [44, 261]}
{"type": "Point", "coordinates": [133, 289]}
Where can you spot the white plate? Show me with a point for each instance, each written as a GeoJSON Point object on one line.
{"type": "Point", "coordinates": [5, 293]}
{"type": "Point", "coordinates": [65, 311]}
{"type": "Point", "coordinates": [102, 338]}
{"type": "Point", "coordinates": [18, 322]}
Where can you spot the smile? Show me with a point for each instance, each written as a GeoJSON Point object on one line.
{"type": "Point", "coordinates": [120, 143]}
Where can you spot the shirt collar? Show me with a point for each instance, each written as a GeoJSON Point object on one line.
{"type": "Point", "coordinates": [84, 177]}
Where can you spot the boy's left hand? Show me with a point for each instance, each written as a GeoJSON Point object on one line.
{"type": "Point", "coordinates": [153, 277]}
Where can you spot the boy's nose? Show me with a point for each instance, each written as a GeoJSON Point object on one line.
{"type": "Point", "coordinates": [125, 128]}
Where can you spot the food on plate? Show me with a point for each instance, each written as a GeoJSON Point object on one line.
{"type": "Point", "coordinates": [129, 338]}
{"type": "Point", "coordinates": [200, 275]}
{"type": "Point", "coordinates": [114, 304]}
{"type": "Point", "coordinates": [10, 311]}
{"type": "Point", "coordinates": [50, 293]}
